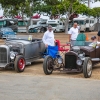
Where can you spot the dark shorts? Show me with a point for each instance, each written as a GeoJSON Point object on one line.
{"type": "Point", "coordinates": [98, 33]}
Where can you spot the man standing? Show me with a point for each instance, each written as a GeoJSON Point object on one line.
{"type": "Point", "coordinates": [73, 32]}
{"type": "Point", "coordinates": [48, 37]}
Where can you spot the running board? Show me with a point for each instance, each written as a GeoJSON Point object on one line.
{"type": "Point", "coordinates": [95, 59]}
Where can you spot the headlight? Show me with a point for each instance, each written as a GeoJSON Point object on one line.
{"type": "Point", "coordinates": [60, 60]}
{"type": "Point", "coordinates": [12, 55]}
{"type": "Point", "coordinates": [79, 62]}
{"type": "Point", "coordinates": [80, 55]}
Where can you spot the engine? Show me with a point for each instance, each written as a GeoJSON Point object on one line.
{"type": "Point", "coordinates": [76, 49]}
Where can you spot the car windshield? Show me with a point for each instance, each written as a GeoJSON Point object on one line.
{"type": "Point", "coordinates": [80, 43]}
{"type": "Point", "coordinates": [20, 37]}
{"type": "Point", "coordinates": [1, 23]}
{"type": "Point", "coordinates": [22, 23]}
{"type": "Point", "coordinates": [80, 22]}
{"type": "Point", "coordinates": [53, 25]}
{"type": "Point", "coordinates": [7, 29]}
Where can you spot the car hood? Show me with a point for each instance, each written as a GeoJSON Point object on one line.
{"type": "Point", "coordinates": [8, 32]}
{"type": "Point", "coordinates": [24, 42]}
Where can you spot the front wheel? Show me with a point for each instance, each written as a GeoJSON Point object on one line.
{"type": "Point", "coordinates": [48, 65]}
{"type": "Point", "coordinates": [19, 63]}
{"type": "Point", "coordinates": [87, 67]}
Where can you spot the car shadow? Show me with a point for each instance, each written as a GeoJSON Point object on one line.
{"type": "Point", "coordinates": [35, 63]}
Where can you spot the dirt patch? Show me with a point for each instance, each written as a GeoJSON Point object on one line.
{"type": "Point", "coordinates": [36, 67]}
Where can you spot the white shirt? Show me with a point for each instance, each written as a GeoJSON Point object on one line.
{"type": "Point", "coordinates": [48, 38]}
{"type": "Point", "coordinates": [93, 44]}
{"type": "Point", "coordinates": [74, 33]}
{"type": "Point", "coordinates": [78, 27]}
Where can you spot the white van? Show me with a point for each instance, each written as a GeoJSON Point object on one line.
{"type": "Point", "coordinates": [33, 23]}
{"type": "Point", "coordinates": [22, 25]}
{"type": "Point", "coordinates": [85, 23]}
{"type": "Point", "coordinates": [57, 25]}
{"type": "Point", "coordinates": [90, 24]}
{"type": "Point", "coordinates": [82, 22]}
{"type": "Point", "coordinates": [38, 23]}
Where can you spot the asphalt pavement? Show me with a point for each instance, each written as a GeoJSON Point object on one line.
{"type": "Point", "coordinates": [28, 87]}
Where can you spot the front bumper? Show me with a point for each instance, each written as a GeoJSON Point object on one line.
{"type": "Point", "coordinates": [8, 36]}
{"type": "Point", "coordinates": [3, 65]}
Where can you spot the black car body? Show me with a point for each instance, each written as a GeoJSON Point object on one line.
{"type": "Point", "coordinates": [80, 58]}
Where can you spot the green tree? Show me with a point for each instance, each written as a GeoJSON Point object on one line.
{"type": "Point", "coordinates": [67, 7]}
{"type": "Point", "coordinates": [19, 7]}
{"type": "Point", "coordinates": [11, 2]}
{"type": "Point", "coordinates": [94, 12]}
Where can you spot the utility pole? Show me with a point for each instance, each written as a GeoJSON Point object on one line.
{"type": "Point", "coordinates": [89, 3]}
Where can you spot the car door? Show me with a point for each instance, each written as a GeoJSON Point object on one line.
{"type": "Point", "coordinates": [98, 52]}
{"type": "Point", "coordinates": [35, 48]}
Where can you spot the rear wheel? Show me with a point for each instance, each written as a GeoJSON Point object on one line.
{"type": "Point", "coordinates": [48, 65]}
{"type": "Point", "coordinates": [19, 63]}
{"type": "Point", "coordinates": [87, 67]}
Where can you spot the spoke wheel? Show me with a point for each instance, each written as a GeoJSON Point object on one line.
{"type": "Point", "coordinates": [87, 67]}
{"type": "Point", "coordinates": [19, 63]}
{"type": "Point", "coordinates": [48, 65]}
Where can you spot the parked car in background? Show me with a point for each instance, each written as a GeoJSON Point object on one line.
{"type": "Point", "coordinates": [22, 25]}
{"type": "Point", "coordinates": [57, 25]}
{"type": "Point", "coordinates": [38, 26]}
{"type": "Point", "coordinates": [10, 23]}
{"type": "Point", "coordinates": [86, 24]}
{"type": "Point", "coordinates": [7, 32]}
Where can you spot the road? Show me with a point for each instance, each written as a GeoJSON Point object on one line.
{"type": "Point", "coordinates": [29, 87]}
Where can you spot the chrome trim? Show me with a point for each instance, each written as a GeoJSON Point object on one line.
{"type": "Point", "coordinates": [95, 59]}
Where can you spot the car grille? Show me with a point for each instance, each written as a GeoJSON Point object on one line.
{"type": "Point", "coordinates": [70, 62]}
{"type": "Point", "coordinates": [3, 55]}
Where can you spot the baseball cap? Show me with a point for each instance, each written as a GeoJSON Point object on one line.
{"type": "Point", "coordinates": [49, 27]}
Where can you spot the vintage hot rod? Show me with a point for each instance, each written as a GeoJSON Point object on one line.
{"type": "Point", "coordinates": [19, 52]}
{"type": "Point", "coordinates": [80, 58]}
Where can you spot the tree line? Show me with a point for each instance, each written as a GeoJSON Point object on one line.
{"type": "Point", "coordinates": [51, 7]}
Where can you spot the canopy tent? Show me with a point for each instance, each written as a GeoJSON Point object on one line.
{"type": "Point", "coordinates": [36, 16]}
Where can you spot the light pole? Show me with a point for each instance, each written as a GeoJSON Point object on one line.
{"type": "Point", "coordinates": [89, 3]}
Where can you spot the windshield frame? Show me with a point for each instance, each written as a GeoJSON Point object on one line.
{"type": "Point", "coordinates": [80, 43]}
{"type": "Point", "coordinates": [80, 22]}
